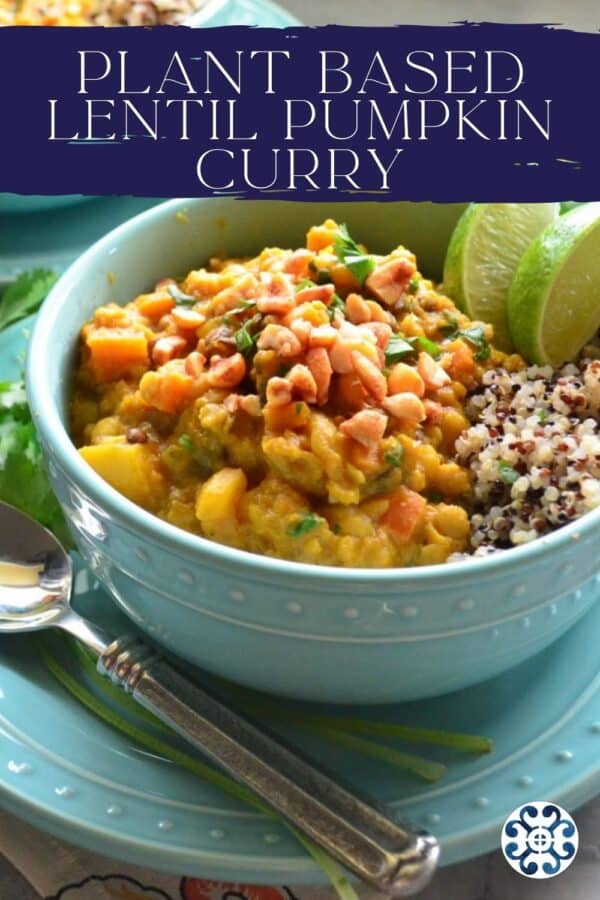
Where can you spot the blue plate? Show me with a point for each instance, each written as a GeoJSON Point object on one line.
{"type": "Point", "coordinates": [65, 771]}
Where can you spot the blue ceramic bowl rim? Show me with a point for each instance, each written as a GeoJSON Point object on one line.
{"type": "Point", "coordinates": [212, 7]}
{"type": "Point", "coordinates": [138, 520]}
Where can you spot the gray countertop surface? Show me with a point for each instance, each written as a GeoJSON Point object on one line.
{"type": "Point", "coordinates": [489, 877]}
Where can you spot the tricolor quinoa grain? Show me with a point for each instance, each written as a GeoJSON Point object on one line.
{"type": "Point", "coordinates": [533, 451]}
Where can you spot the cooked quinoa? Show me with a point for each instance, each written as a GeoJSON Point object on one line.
{"type": "Point", "coordinates": [96, 12]}
{"type": "Point", "coordinates": [533, 450]}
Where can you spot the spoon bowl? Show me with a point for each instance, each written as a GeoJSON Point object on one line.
{"type": "Point", "coordinates": [35, 593]}
{"type": "Point", "coordinates": [35, 574]}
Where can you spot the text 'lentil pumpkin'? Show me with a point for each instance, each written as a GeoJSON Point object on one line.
{"type": "Point", "coordinates": [303, 404]}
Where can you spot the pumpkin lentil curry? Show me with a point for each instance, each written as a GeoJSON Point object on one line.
{"type": "Point", "coordinates": [303, 404]}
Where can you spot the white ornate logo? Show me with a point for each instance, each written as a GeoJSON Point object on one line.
{"type": "Point", "coordinates": [540, 839]}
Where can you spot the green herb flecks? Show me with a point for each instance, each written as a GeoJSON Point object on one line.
{"type": "Point", "coordinates": [320, 276]}
{"type": "Point", "coordinates": [394, 457]}
{"type": "Point", "coordinates": [186, 442]}
{"type": "Point", "coordinates": [398, 347]}
{"type": "Point", "coordinates": [451, 326]}
{"type": "Point", "coordinates": [304, 284]}
{"type": "Point", "coordinates": [507, 473]}
{"type": "Point", "coordinates": [180, 297]}
{"type": "Point", "coordinates": [306, 523]}
{"type": "Point", "coordinates": [542, 415]}
{"type": "Point", "coordinates": [350, 255]}
{"type": "Point", "coordinates": [25, 295]}
{"type": "Point", "coordinates": [244, 306]}
{"type": "Point", "coordinates": [474, 335]}
{"type": "Point", "coordinates": [413, 285]}
{"type": "Point", "coordinates": [423, 343]}
{"type": "Point", "coordinates": [336, 305]}
{"type": "Point", "coordinates": [247, 336]}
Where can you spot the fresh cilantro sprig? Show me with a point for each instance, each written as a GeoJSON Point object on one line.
{"type": "Point", "coordinates": [336, 305]}
{"type": "Point", "coordinates": [180, 298]}
{"type": "Point", "coordinates": [304, 524]}
{"type": "Point", "coordinates": [247, 336]}
{"type": "Point", "coordinates": [395, 456]}
{"type": "Point", "coordinates": [400, 346]}
{"type": "Point", "coordinates": [23, 479]}
{"type": "Point", "coordinates": [350, 255]}
{"type": "Point", "coordinates": [320, 276]}
{"type": "Point", "coordinates": [25, 295]}
{"type": "Point", "coordinates": [474, 335]}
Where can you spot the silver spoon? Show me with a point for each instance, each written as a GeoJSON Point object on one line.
{"type": "Point", "coordinates": [35, 593]}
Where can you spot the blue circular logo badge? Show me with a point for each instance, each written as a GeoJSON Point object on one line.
{"type": "Point", "coordinates": [540, 840]}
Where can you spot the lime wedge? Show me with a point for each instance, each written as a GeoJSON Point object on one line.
{"type": "Point", "coordinates": [554, 300]}
{"type": "Point", "coordinates": [484, 252]}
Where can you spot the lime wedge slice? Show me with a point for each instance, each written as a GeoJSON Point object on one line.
{"type": "Point", "coordinates": [554, 300]}
{"type": "Point", "coordinates": [484, 252]}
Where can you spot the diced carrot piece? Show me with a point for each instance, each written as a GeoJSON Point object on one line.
{"type": "Point", "coordinates": [116, 352]}
{"type": "Point", "coordinates": [155, 305]}
{"type": "Point", "coordinates": [404, 513]}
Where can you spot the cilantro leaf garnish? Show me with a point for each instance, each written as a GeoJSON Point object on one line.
{"type": "Point", "coordinates": [23, 479]}
{"type": "Point", "coordinates": [320, 276]}
{"type": "Point", "coordinates": [394, 457]}
{"type": "Point", "coordinates": [413, 285]}
{"type": "Point", "coordinates": [336, 304]}
{"type": "Point", "coordinates": [474, 335]}
{"type": "Point", "coordinates": [304, 524]}
{"type": "Point", "coordinates": [423, 343]}
{"type": "Point", "coordinates": [451, 325]}
{"type": "Point", "coordinates": [179, 297]}
{"type": "Point", "coordinates": [25, 295]}
{"type": "Point", "coordinates": [400, 346]}
{"type": "Point", "coordinates": [506, 472]}
{"type": "Point", "coordinates": [186, 442]}
{"type": "Point", "coordinates": [246, 336]}
{"type": "Point", "coordinates": [243, 307]}
{"type": "Point", "coordinates": [350, 255]}
{"type": "Point", "coordinates": [305, 283]}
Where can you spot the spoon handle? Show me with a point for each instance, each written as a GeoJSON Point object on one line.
{"type": "Point", "coordinates": [391, 856]}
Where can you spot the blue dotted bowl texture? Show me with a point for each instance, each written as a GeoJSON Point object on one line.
{"type": "Point", "coordinates": [324, 634]}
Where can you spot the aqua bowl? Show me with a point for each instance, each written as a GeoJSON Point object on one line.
{"type": "Point", "coordinates": [319, 633]}
{"type": "Point", "coordinates": [34, 203]}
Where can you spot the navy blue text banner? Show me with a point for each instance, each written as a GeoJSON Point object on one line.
{"type": "Point", "coordinates": [463, 112]}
